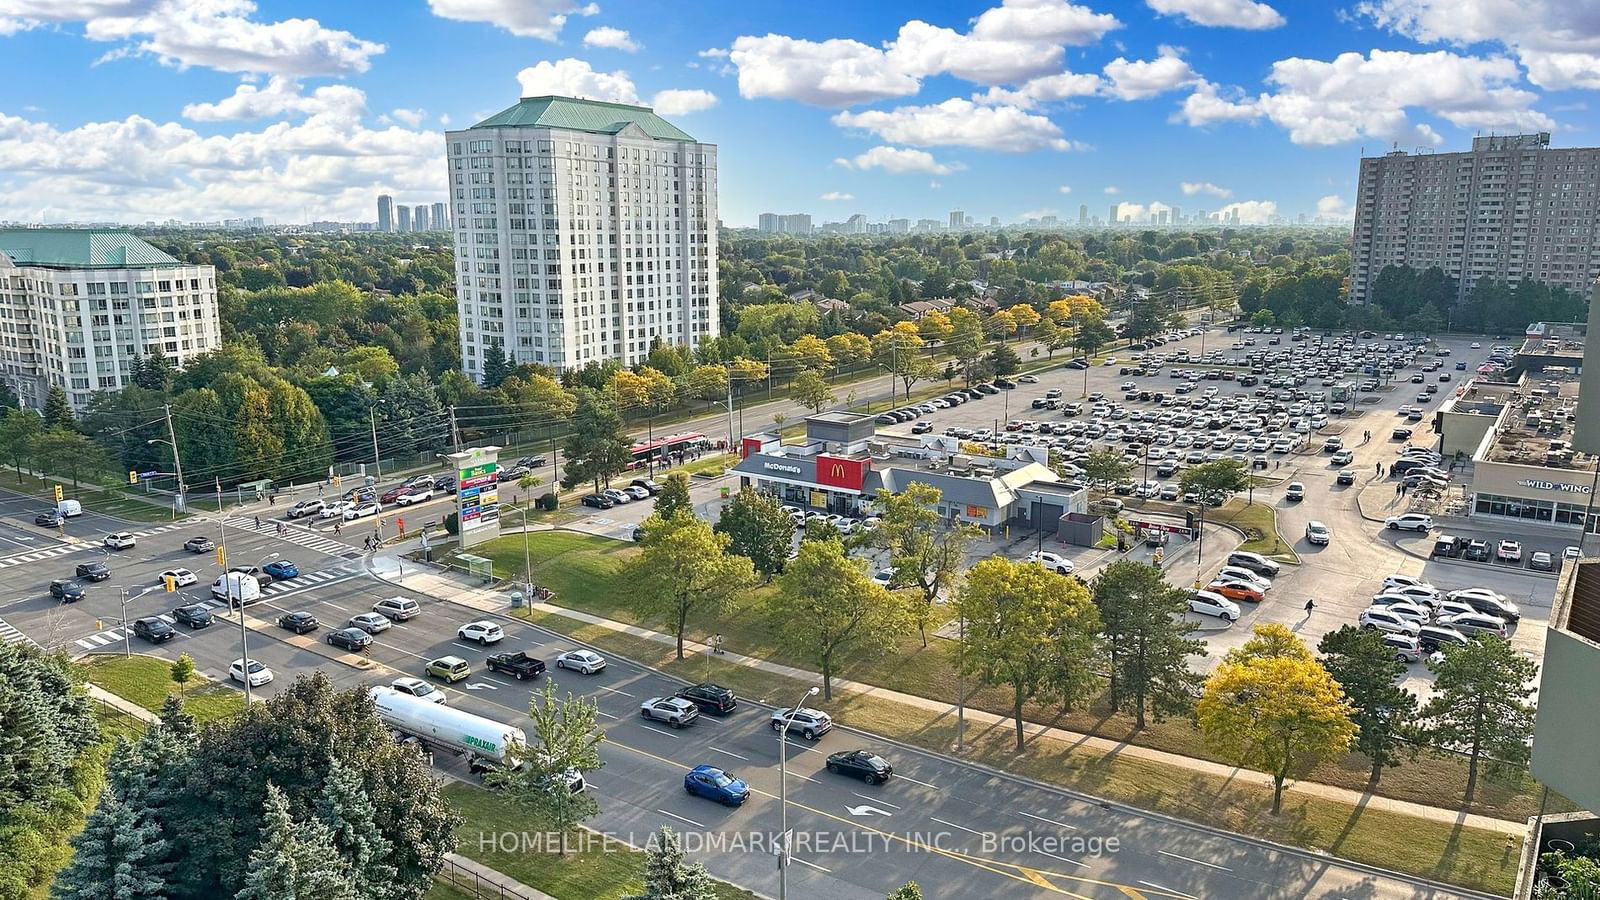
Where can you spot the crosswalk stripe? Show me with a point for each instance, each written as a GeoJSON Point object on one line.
{"type": "Point", "coordinates": [86, 644]}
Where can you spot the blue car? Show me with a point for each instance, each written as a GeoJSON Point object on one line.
{"type": "Point", "coordinates": [715, 784]}
{"type": "Point", "coordinates": [281, 569]}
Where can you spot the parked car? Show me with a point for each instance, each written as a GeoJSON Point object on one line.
{"type": "Point", "coordinates": [354, 639]}
{"type": "Point", "coordinates": [299, 622]}
{"type": "Point", "coordinates": [809, 723]}
{"type": "Point", "coordinates": [711, 698]}
{"type": "Point", "coordinates": [862, 764]}
{"type": "Point", "coordinates": [1409, 522]}
{"type": "Point", "coordinates": [1406, 647]}
{"type": "Point", "coordinates": [584, 662]}
{"type": "Point", "coordinates": [649, 484]}
{"type": "Point", "coordinates": [1211, 603]}
{"type": "Point", "coordinates": [1237, 590]}
{"type": "Point", "coordinates": [484, 632]}
{"type": "Point", "coordinates": [1486, 601]}
{"type": "Point", "coordinates": [1055, 562]}
{"type": "Point", "coordinates": [1471, 623]}
{"type": "Point", "coordinates": [1508, 551]}
{"type": "Point", "coordinates": [716, 784]}
{"type": "Point", "coordinates": [1541, 560]}
{"type": "Point", "coordinates": [1440, 637]}
{"type": "Point", "coordinates": [1255, 562]}
{"type": "Point", "coordinates": [598, 501]}
{"type": "Point", "coordinates": [1381, 618]}
{"type": "Point", "coordinates": [617, 496]}
{"type": "Point", "coordinates": [1476, 550]}
{"type": "Point", "coordinates": [674, 711]}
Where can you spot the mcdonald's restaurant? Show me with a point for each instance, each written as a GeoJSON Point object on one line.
{"type": "Point", "coordinates": [842, 463]}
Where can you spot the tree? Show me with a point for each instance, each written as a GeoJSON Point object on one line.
{"type": "Point", "coordinates": [1004, 361]}
{"type": "Point", "coordinates": [566, 739]}
{"type": "Point", "coordinates": [1053, 337]}
{"type": "Point", "coordinates": [351, 819]}
{"type": "Point", "coordinates": [57, 411]}
{"type": "Point", "coordinates": [176, 722]}
{"type": "Point", "coordinates": [674, 497]}
{"type": "Point", "coordinates": [899, 350]}
{"type": "Point", "coordinates": [182, 671]}
{"type": "Point", "coordinates": [811, 390]}
{"type": "Point", "coordinates": [495, 365]}
{"type": "Point", "coordinates": [812, 352]}
{"type": "Point", "coordinates": [1091, 335]}
{"type": "Point", "coordinates": [295, 859]}
{"type": "Point", "coordinates": [684, 569]}
{"type": "Point", "coordinates": [597, 449]}
{"type": "Point", "coordinates": [830, 606]}
{"type": "Point", "coordinates": [122, 852]}
{"type": "Point", "coordinates": [908, 891]}
{"type": "Point", "coordinates": [924, 554]}
{"type": "Point", "coordinates": [19, 433]}
{"type": "Point", "coordinates": [1263, 318]}
{"type": "Point", "coordinates": [1029, 630]}
{"type": "Point", "coordinates": [759, 530]}
{"type": "Point", "coordinates": [1024, 316]}
{"type": "Point", "coordinates": [1271, 706]}
{"type": "Point", "coordinates": [1213, 482]}
{"type": "Point", "coordinates": [934, 326]}
{"type": "Point", "coordinates": [70, 451]}
{"type": "Point", "coordinates": [667, 876]}
{"type": "Point", "coordinates": [1147, 640]}
{"type": "Point", "coordinates": [1106, 467]}
{"type": "Point", "coordinates": [1385, 713]}
{"type": "Point", "coordinates": [966, 338]}
{"type": "Point", "coordinates": [1481, 706]}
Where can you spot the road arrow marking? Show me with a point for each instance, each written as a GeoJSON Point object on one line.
{"type": "Point", "coordinates": [865, 810]}
{"type": "Point", "coordinates": [481, 686]}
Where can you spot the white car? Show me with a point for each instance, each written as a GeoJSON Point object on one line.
{"type": "Point", "coordinates": [414, 495]}
{"type": "Point", "coordinates": [1213, 604]}
{"type": "Point", "coordinates": [1510, 551]}
{"type": "Point", "coordinates": [882, 577]}
{"type": "Point", "coordinates": [675, 711]}
{"type": "Point", "coordinates": [362, 510]}
{"type": "Point", "coordinates": [1341, 458]}
{"type": "Point", "coordinates": [120, 540]}
{"type": "Point", "coordinates": [1570, 553]}
{"type": "Point", "coordinates": [371, 622]}
{"type": "Point", "coordinates": [1425, 594]}
{"type": "Point", "coordinates": [1240, 573]}
{"type": "Point", "coordinates": [419, 689]}
{"type": "Point", "coordinates": [1380, 618]}
{"type": "Point", "coordinates": [1409, 522]}
{"type": "Point", "coordinates": [259, 673]}
{"type": "Point", "coordinates": [1399, 581]}
{"type": "Point", "coordinates": [584, 662]}
{"type": "Point", "coordinates": [1412, 612]}
{"type": "Point", "coordinates": [183, 577]}
{"type": "Point", "coordinates": [306, 508]}
{"type": "Point", "coordinates": [1053, 561]}
{"type": "Point", "coordinates": [334, 510]}
{"type": "Point", "coordinates": [483, 632]}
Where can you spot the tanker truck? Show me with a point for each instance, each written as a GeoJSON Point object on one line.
{"type": "Point", "coordinates": [438, 727]}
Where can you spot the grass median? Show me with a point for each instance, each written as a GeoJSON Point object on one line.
{"type": "Point", "coordinates": [147, 681]}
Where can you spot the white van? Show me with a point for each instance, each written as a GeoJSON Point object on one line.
{"type": "Point", "coordinates": [69, 508]}
{"type": "Point", "coordinates": [236, 588]}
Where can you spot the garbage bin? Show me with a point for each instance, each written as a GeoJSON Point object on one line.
{"type": "Point", "coordinates": [517, 599]}
{"type": "Point", "coordinates": [726, 493]}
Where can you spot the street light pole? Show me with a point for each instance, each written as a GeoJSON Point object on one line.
{"type": "Point", "coordinates": [372, 419]}
{"type": "Point", "coordinates": [177, 462]}
{"type": "Point", "coordinates": [783, 797]}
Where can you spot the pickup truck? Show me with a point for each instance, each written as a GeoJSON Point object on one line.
{"type": "Point", "coordinates": [516, 663]}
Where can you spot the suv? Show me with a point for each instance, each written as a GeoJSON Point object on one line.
{"type": "Point", "coordinates": [810, 723]}
{"type": "Point", "coordinates": [1407, 648]}
{"type": "Point", "coordinates": [93, 571]}
{"type": "Point", "coordinates": [306, 508]}
{"type": "Point", "coordinates": [675, 711]}
{"type": "Point", "coordinates": [154, 630]}
{"type": "Point", "coordinates": [120, 540]}
{"type": "Point", "coordinates": [1410, 521]}
{"type": "Point", "coordinates": [1296, 491]}
{"type": "Point", "coordinates": [711, 698]}
{"type": "Point", "coordinates": [1381, 618]}
{"type": "Point", "coordinates": [398, 609]}
{"type": "Point", "coordinates": [450, 669]}
{"type": "Point", "coordinates": [194, 615]}
{"type": "Point", "coordinates": [199, 545]}
{"type": "Point", "coordinates": [1318, 533]}
{"type": "Point", "coordinates": [1436, 637]}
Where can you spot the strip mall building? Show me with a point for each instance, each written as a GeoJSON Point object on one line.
{"type": "Point", "coordinates": [842, 463]}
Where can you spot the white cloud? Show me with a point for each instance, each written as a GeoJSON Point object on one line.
{"type": "Point", "coordinates": [1557, 40]}
{"type": "Point", "coordinates": [217, 34]}
{"type": "Point", "coordinates": [682, 101]}
{"type": "Point", "coordinates": [1251, 212]}
{"type": "Point", "coordinates": [1064, 189]}
{"type": "Point", "coordinates": [713, 53]}
{"type": "Point", "coordinates": [935, 184]}
{"type": "Point", "coordinates": [411, 118]}
{"type": "Point", "coordinates": [1221, 13]}
{"type": "Point", "coordinates": [444, 119]}
{"type": "Point", "coordinates": [1016, 42]}
{"type": "Point", "coordinates": [961, 123]}
{"type": "Point", "coordinates": [612, 38]}
{"type": "Point", "coordinates": [280, 97]}
{"type": "Point", "coordinates": [525, 18]}
{"type": "Point", "coordinates": [1190, 188]}
{"type": "Point", "coordinates": [1044, 89]}
{"type": "Point", "coordinates": [1111, 190]}
{"type": "Point", "coordinates": [836, 195]}
{"type": "Point", "coordinates": [575, 78]}
{"type": "Point", "coordinates": [1141, 79]}
{"type": "Point", "coordinates": [1352, 96]}
{"type": "Point", "coordinates": [1039, 213]}
{"type": "Point", "coordinates": [899, 161]}
{"type": "Point", "coordinates": [1134, 211]}
{"type": "Point", "coordinates": [1334, 207]}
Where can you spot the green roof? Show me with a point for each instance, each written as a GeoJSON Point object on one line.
{"type": "Point", "coordinates": [583, 115]}
{"type": "Point", "coordinates": [79, 248]}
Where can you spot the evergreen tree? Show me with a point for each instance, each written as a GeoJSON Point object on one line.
{"type": "Point", "coordinates": [122, 852]}
{"type": "Point", "coordinates": [668, 877]}
{"type": "Point", "coordinates": [295, 860]}
{"type": "Point", "coordinates": [153, 372]}
{"type": "Point", "coordinates": [1384, 711]}
{"type": "Point", "coordinates": [597, 449]}
{"type": "Point", "coordinates": [496, 366]}
{"type": "Point", "coordinates": [1148, 641]}
{"type": "Point", "coordinates": [347, 811]}
{"type": "Point", "coordinates": [177, 722]}
{"type": "Point", "coordinates": [57, 411]}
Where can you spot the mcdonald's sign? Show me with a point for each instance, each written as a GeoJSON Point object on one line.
{"type": "Point", "coordinates": [833, 471]}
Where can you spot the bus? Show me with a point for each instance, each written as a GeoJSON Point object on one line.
{"type": "Point", "coordinates": [656, 452]}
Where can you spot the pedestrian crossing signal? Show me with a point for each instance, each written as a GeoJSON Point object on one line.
{"type": "Point", "coordinates": [133, 477]}
{"type": "Point", "coordinates": [171, 582]}
{"type": "Point", "coordinates": [58, 493]}
{"type": "Point", "coordinates": [222, 557]}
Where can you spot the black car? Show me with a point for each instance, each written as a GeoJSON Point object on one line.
{"type": "Point", "coordinates": [195, 615]}
{"type": "Point", "coordinates": [445, 485]}
{"type": "Point", "coordinates": [349, 638]}
{"type": "Point", "coordinates": [199, 545]}
{"type": "Point", "coordinates": [298, 622]}
{"type": "Point", "coordinates": [711, 698]}
{"type": "Point", "coordinates": [66, 591]}
{"type": "Point", "coordinates": [49, 519]}
{"type": "Point", "coordinates": [533, 462]}
{"type": "Point", "coordinates": [598, 502]}
{"type": "Point", "coordinates": [154, 630]}
{"type": "Point", "coordinates": [94, 571]}
{"type": "Point", "coordinates": [649, 484]}
{"type": "Point", "coordinates": [862, 764]}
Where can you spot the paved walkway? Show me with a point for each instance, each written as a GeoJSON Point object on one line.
{"type": "Point", "coordinates": [471, 594]}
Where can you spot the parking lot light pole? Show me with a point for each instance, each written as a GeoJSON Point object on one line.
{"type": "Point", "coordinates": [244, 648]}
{"type": "Point", "coordinates": [783, 795]}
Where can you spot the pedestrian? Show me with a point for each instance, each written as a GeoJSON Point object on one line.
{"type": "Point", "coordinates": [1378, 467]}
{"type": "Point", "coordinates": [338, 528]}
{"type": "Point", "coordinates": [1398, 488]}
{"type": "Point", "coordinates": [258, 521]}
{"type": "Point", "coordinates": [319, 489]}
{"type": "Point", "coordinates": [716, 643]}
{"type": "Point", "coordinates": [272, 499]}
{"type": "Point", "coordinates": [1310, 605]}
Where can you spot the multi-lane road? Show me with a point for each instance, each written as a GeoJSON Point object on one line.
{"type": "Point", "coordinates": [960, 830]}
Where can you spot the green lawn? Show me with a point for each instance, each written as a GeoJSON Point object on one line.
{"type": "Point", "coordinates": [1259, 522]}
{"type": "Point", "coordinates": [580, 874]}
{"type": "Point", "coordinates": [146, 681]}
{"type": "Point", "coordinates": [110, 501]}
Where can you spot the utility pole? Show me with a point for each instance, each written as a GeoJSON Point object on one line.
{"type": "Point", "coordinates": [377, 461]}
{"type": "Point", "coordinates": [177, 462]}
{"type": "Point", "coordinates": [455, 433]}
{"type": "Point", "coordinates": [732, 442]}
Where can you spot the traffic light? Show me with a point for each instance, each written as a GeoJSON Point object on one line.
{"type": "Point", "coordinates": [222, 557]}
{"type": "Point", "coordinates": [338, 480]}
{"type": "Point", "coordinates": [171, 582]}
{"type": "Point", "coordinates": [133, 477]}
{"type": "Point", "coordinates": [59, 494]}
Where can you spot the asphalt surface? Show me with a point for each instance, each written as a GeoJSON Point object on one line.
{"type": "Point", "coordinates": [960, 830]}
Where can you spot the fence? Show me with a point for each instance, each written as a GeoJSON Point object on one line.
{"type": "Point", "coordinates": [469, 882]}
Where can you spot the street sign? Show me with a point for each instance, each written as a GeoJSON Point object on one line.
{"type": "Point", "coordinates": [1161, 526]}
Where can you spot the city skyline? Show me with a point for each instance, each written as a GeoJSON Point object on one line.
{"type": "Point", "coordinates": [1014, 111]}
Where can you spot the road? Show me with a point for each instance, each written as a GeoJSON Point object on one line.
{"type": "Point", "coordinates": [960, 830]}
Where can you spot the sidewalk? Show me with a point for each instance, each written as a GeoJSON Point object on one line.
{"type": "Point", "coordinates": [456, 590]}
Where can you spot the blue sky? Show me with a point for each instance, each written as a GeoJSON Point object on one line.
{"type": "Point", "coordinates": [132, 110]}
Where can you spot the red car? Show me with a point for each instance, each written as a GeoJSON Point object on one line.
{"type": "Point", "coordinates": [391, 496]}
{"type": "Point", "coordinates": [1236, 590]}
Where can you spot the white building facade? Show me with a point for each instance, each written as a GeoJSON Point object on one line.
{"type": "Point", "coordinates": [583, 231]}
{"type": "Point", "coordinates": [78, 306]}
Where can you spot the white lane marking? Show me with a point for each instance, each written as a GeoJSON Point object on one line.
{"type": "Point", "coordinates": [876, 800]}
{"type": "Point", "coordinates": [613, 690]}
{"type": "Point", "coordinates": [606, 714]}
{"type": "Point", "coordinates": [727, 753]}
{"type": "Point", "coordinates": [1198, 862]}
{"type": "Point", "coordinates": [1063, 859]}
{"type": "Point", "coordinates": [914, 781]}
{"type": "Point", "coordinates": [803, 777]}
{"type": "Point", "coordinates": [1153, 885]}
{"type": "Point", "coordinates": [497, 678]}
{"type": "Point", "coordinates": [680, 818]}
{"type": "Point", "coordinates": [1051, 821]}
{"type": "Point", "coordinates": [671, 734]}
{"type": "Point", "coordinates": [811, 864]}
{"type": "Point", "coordinates": [954, 825]}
